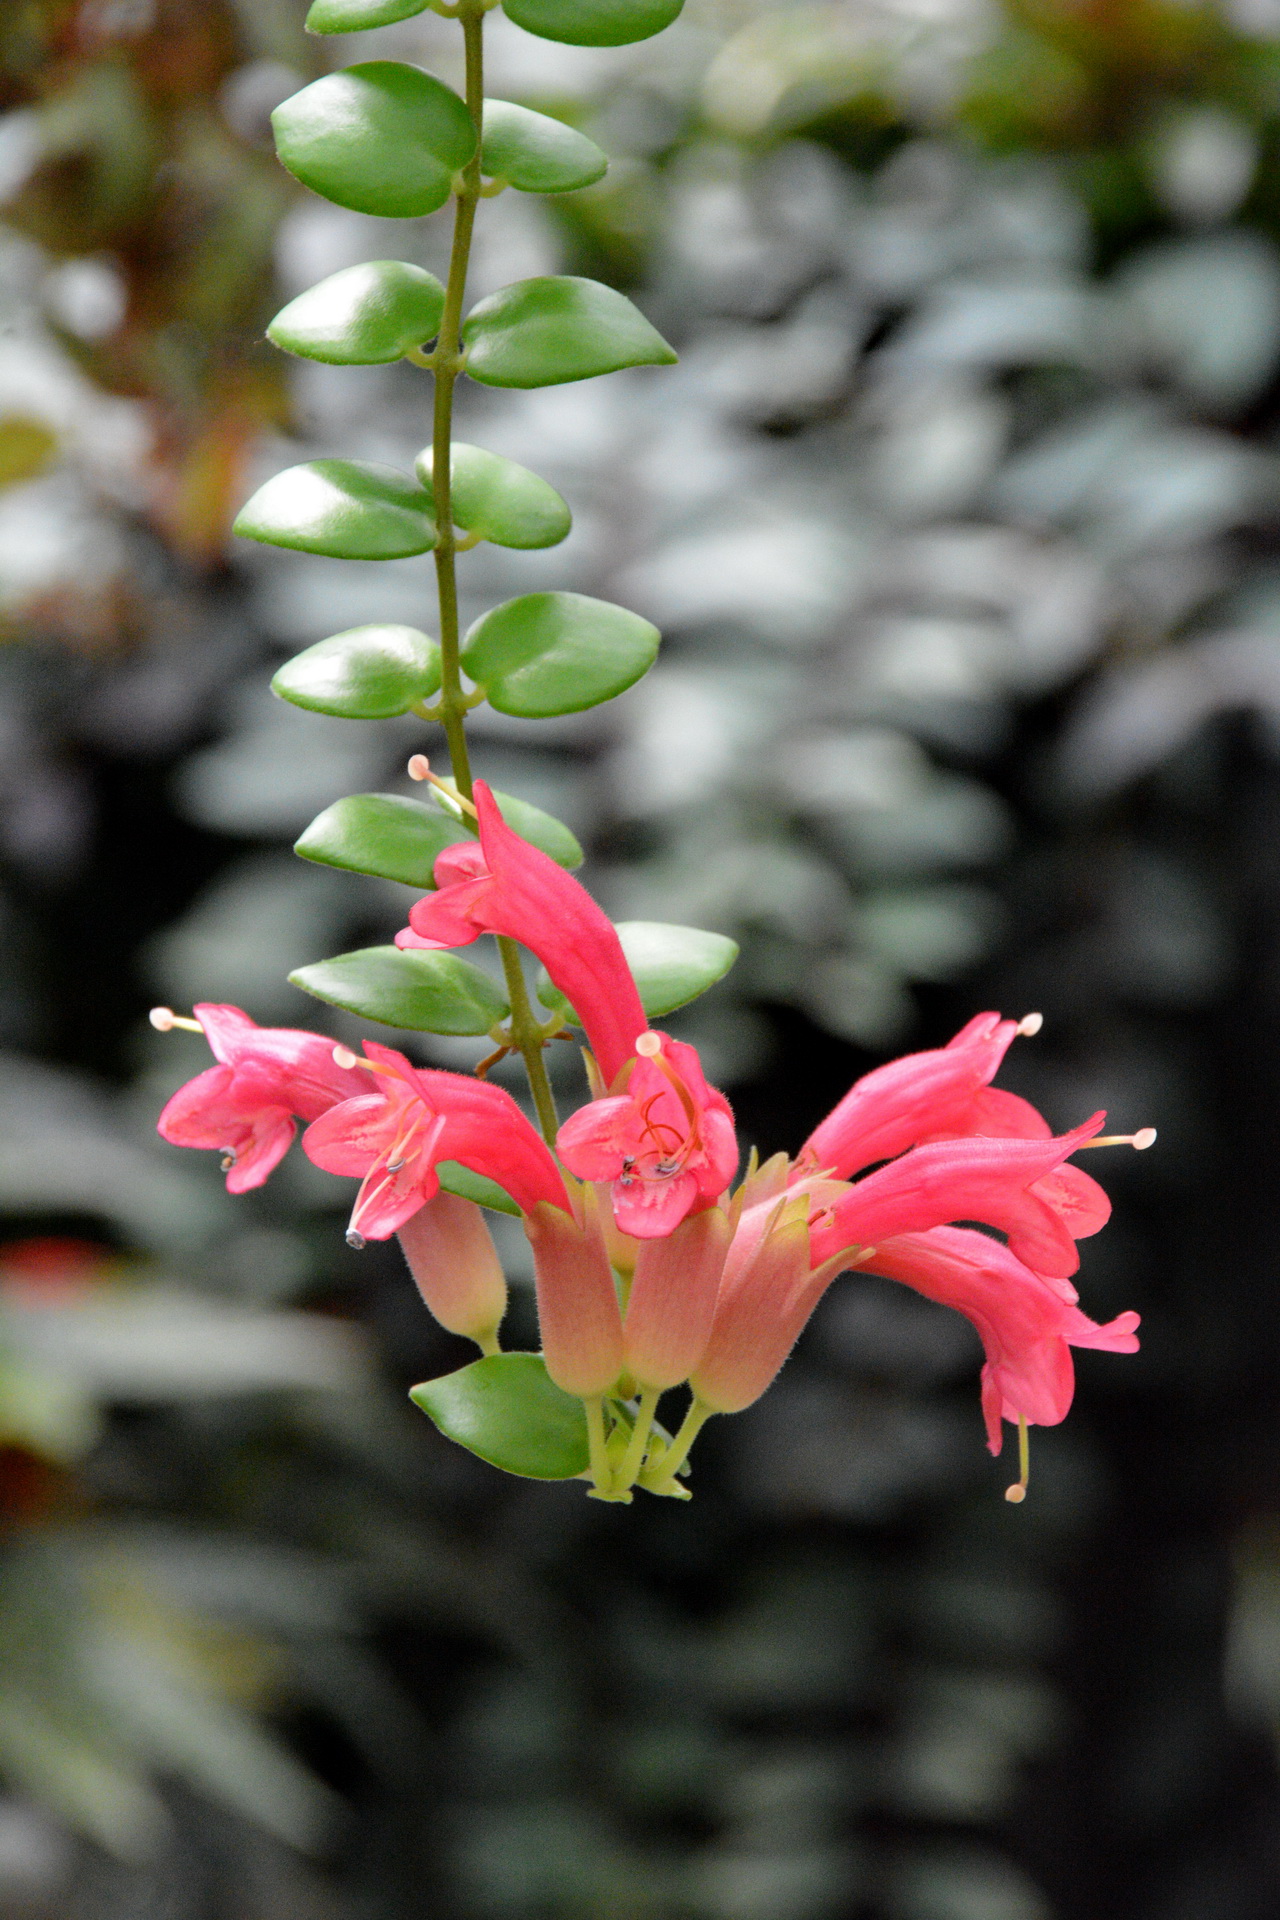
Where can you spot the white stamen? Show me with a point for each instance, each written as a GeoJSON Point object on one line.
{"type": "Point", "coordinates": [419, 767]}
{"type": "Point", "coordinates": [164, 1020]}
{"type": "Point", "coordinates": [1030, 1024]}
{"type": "Point", "coordinates": [343, 1057]}
{"type": "Point", "coordinates": [1145, 1137]}
{"type": "Point", "coordinates": [650, 1045]}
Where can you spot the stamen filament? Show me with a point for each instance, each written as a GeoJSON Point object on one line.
{"type": "Point", "coordinates": [1145, 1137]}
{"type": "Point", "coordinates": [419, 768]}
{"type": "Point", "coordinates": [164, 1020]}
{"type": "Point", "coordinates": [343, 1057]}
{"type": "Point", "coordinates": [1017, 1493]}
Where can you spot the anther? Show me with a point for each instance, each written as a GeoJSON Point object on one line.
{"type": "Point", "coordinates": [228, 1159]}
{"type": "Point", "coordinates": [649, 1044]}
{"type": "Point", "coordinates": [1030, 1024]}
{"type": "Point", "coordinates": [343, 1057]}
{"type": "Point", "coordinates": [355, 1240]}
{"type": "Point", "coordinates": [419, 767]}
{"type": "Point", "coordinates": [164, 1020]}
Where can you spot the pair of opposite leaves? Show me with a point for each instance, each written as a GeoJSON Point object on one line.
{"type": "Point", "coordinates": [581, 23]}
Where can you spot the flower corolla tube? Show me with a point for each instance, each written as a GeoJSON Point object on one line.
{"type": "Point", "coordinates": [653, 1270]}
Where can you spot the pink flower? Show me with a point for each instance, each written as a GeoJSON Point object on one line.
{"type": "Point", "coordinates": [664, 1139]}
{"type": "Point", "coordinates": [506, 886]}
{"type": "Point", "coordinates": [244, 1107]}
{"type": "Point", "coordinates": [1027, 1328]}
{"type": "Point", "coordinates": [392, 1138]}
{"type": "Point", "coordinates": [925, 1096]}
{"type": "Point", "coordinates": [1020, 1187]}
{"type": "Point", "coordinates": [578, 1313]}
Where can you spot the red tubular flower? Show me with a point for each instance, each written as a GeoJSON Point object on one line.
{"type": "Point", "coordinates": [506, 886]}
{"type": "Point", "coordinates": [673, 1299]}
{"type": "Point", "coordinates": [392, 1138]}
{"type": "Point", "coordinates": [1027, 1328]}
{"type": "Point", "coordinates": [244, 1107]}
{"type": "Point", "coordinates": [452, 1257]}
{"type": "Point", "coordinates": [1019, 1186]}
{"type": "Point", "coordinates": [769, 1289]}
{"type": "Point", "coordinates": [943, 1093]}
{"type": "Point", "coordinates": [664, 1139]}
{"type": "Point", "coordinates": [578, 1313]}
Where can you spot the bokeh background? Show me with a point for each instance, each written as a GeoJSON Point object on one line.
{"type": "Point", "coordinates": [961, 515]}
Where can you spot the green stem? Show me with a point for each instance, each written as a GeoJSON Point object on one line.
{"type": "Point", "coordinates": [601, 1472]}
{"type": "Point", "coordinates": [633, 1458]}
{"type": "Point", "coordinates": [678, 1453]}
{"type": "Point", "coordinates": [526, 1031]}
{"type": "Point", "coordinates": [448, 365]}
{"type": "Point", "coordinates": [453, 703]}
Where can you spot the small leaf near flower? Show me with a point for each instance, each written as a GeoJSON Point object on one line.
{"type": "Point", "coordinates": [508, 1410]}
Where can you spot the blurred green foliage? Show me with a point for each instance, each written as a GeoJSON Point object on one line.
{"type": "Point", "coordinates": [979, 316]}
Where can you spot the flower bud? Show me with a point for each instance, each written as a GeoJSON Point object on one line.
{"type": "Point", "coordinates": [577, 1303]}
{"type": "Point", "coordinates": [673, 1299]}
{"type": "Point", "coordinates": [452, 1257]}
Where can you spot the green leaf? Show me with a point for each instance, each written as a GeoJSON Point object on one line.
{"type": "Point", "coordinates": [357, 16]}
{"type": "Point", "coordinates": [455, 1178]}
{"type": "Point", "coordinates": [538, 828]}
{"type": "Point", "coordinates": [509, 1410]}
{"type": "Point", "coordinates": [540, 333]}
{"type": "Point", "coordinates": [672, 965]}
{"type": "Point", "coordinates": [427, 992]}
{"type": "Point", "coordinates": [549, 653]}
{"type": "Point", "coordinates": [381, 834]}
{"type": "Point", "coordinates": [537, 154]}
{"type": "Point", "coordinates": [351, 509]}
{"type": "Point", "coordinates": [367, 673]}
{"type": "Point", "coordinates": [593, 23]}
{"type": "Point", "coordinates": [500, 500]}
{"type": "Point", "coordinates": [364, 316]}
{"type": "Point", "coordinates": [381, 137]}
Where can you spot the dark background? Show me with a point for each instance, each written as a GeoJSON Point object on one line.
{"type": "Point", "coordinates": [960, 516]}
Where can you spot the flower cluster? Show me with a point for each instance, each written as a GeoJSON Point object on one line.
{"type": "Point", "coordinates": [652, 1269]}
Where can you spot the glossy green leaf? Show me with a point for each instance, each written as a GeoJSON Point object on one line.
{"type": "Point", "coordinates": [351, 509]}
{"type": "Point", "coordinates": [509, 1410]}
{"type": "Point", "coordinates": [455, 1178]}
{"type": "Point", "coordinates": [538, 828]}
{"type": "Point", "coordinates": [549, 653]}
{"type": "Point", "coordinates": [535, 153]}
{"type": "Point", "coordinates": [672, 965]}
{"type": "Point", "coordinates": [540, 333]}
{"type": "Point", "coordinates": [364, 316]}
{"type": "Point", "coordinates": [427, 992]}
{"type": "Point", "coordinates": [358, 16]}
{"type": "Point", "coordinates": [367, 673]}
{"type": "Point", "coordinates": [500, 500]}
{"type": "Point", "coordinates": [381, 834]}
{"type": "Point", "coordinates": [593, 23]}
{"type": "Point", "coordinates": [381, 137]}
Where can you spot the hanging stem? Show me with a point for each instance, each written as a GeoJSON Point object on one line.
{"type": "Point", "coordinates": [675, 1457]}
{"type": "Point", "coordinates": [453, 703]}
{"type": "Point", "coordinates": [447, 362]}
{"type": "Point", "coordinates": [633, 1458]}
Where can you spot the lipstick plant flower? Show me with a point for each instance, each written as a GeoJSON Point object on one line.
{"type": "Point", "coordinates": [664, 1260]}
